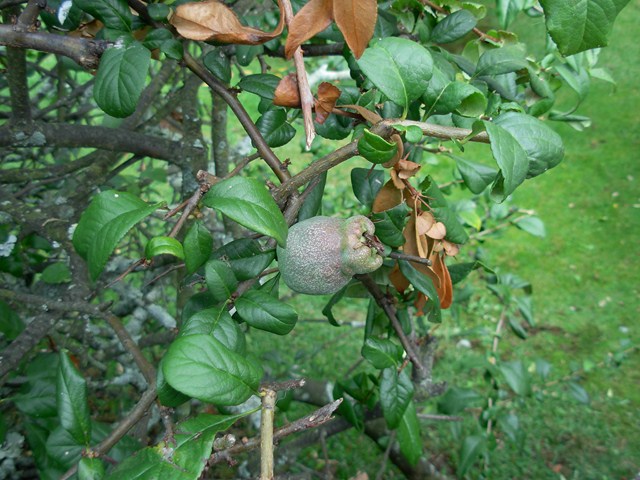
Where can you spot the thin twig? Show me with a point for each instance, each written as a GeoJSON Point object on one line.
{"type": "Point", "coordinates": [269, 398]}
{"type": "Point", "coordinates": [385, 458]}
{"type": "Point", "coordinates": [190, 207]}
{"type": "Point", "coordinates": [440, 418]}
{"type": "Point", "coordinates": [410, 258]}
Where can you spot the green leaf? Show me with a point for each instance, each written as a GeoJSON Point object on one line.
{"type": "Point", "coordinates": [198, 244]}
{"type": "Point", "coordinates": [472, 447]}
{"type": "Point", "coordinates": [390, 224]}
{"type": "Point", "coordinates": [103, 208]}
{"type": "Point", "coordinates": [409, 435]}
{"type": "Point", "coordinates": [262, 311]}
{"type": "Point", "coordinates": [543, 145]}
{"type": "Point", "coordinates": [156, 37]}
{"type": "Point", "coordinates": [456, 233]}
{"type": "Point", "coordinates": [477, 177]}
{"type": "Point", "coordinates": [312, 205]}
{"type": "Point", "coordinates": [71, 398]}
{"type": "Point", "coordinates": [168, 396]}
{"type": "Point", "coordinates": [375, 148]}
{"type": "Point", "coordinates": [248, 202]}
{"type": "Point", "coordinates": [220, 280]}
{"type": "Point", "coordinates": [501, 60]}
{"type": "Point", "coordinates": [164, 246]}
{"type": "Point", "coordinates": [115, 14]}
{"type": "Point", "coordinates": [460, 271]}
{"type": "Point", "coordinates": [218, 64]}
{"type": "Point", "coordinates": [526, 309]}
{"type": "Point", "coordinates": [425, 285]}
{"type": "Point", "coordinates": [399, 68]}
{"type": "Point", "coordinates": [327, 311]}
{"type": "Point", "coordinates": [579, 393]}
{"type": "Point", "coordinates": [455, 400]}
{"type": "Point", "coordinates": [516, 376]}
{"type": "Point", "coordinates": [382, 353]}
{"type": "Point", "coordinates": [454, 26]}
{"type": "Point", "coordinates": [462, 98]}
{"type": "Point", "coordinates": [121, 78]}
{"type": "Point", "coordinates": [412, 133]}
{"type": "Point", "coordinates": [172, 48]}
{"type": "Point", "coordinates": [245, 257]}
{"type": "Point", "coordinates": [158, 11]}
{"type": "Point", "coordinates": [510, 157]}
{"type": "Point", "coordinates": [532, 225]}
{"type": "Point", "coordinates": [56, 273]}
{"type": "Point", "coordinates": [517, 328]}
{"type": "Point", "coordinates": [366, 184]}
{"type": "Point", "coordinates": [246, 53]}
{"type": "Point", "coordinates": [507, 10]}
{"type": "Point", "coordinates": [10, 322]}
{"type": "Point", "coordinates": [90, 469]}
{"type": "Point", "coordinates": [263, 85]}
{"type": "Point", "coordinates": [110, 234]}
{"type": "Point", "coordinates": [216, 321]}
{"type": "Point", "coordinates": [274, 127]}
{"type": "Point", "coordinates": [578, 26]}
{"type": "Point", "coordinates": [396, 392]}
{"type": "Point", "coordinates": [202, 367]}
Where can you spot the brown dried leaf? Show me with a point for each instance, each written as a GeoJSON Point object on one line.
{"type": "Point", "coordinates": [212, 20]}
{"type": "Point", "coordinates": [398, 280]}
{"type": "Point", "coordinates": [399, 154]}
{"type": "Point", "coordinates": [310, 20]}
{"type": "Point", "coordinates": [399, 184]}
{"type": "Point", "coordinates": [421, 301]}
{"type": "Point", "coordinates": [388, 197]}
{"type": "Point", "coordinates": [424, 222]}
{"type": "Point", "coordinates": [407, 168]}
{"type": "Point", "coordinates": [410, 247]}
{"type": "Point", "coordinates": [356, 19]}
{"type": "Point", "coordinates": [328, 95]}
{"type": "Point", "coordinates": [287, 93]}
{"type": "Point", "coordinates": [451, 249]}
{"type": "Point", "coordinates": [368, 115]}
{"type": "Point", "coordinates": [445, 289]}
{"type": "Point", "coordinates": [437, 231]}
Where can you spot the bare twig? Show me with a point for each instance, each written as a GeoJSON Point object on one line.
{"type": "Point", "coordinates": [410, 258]}
{"type": "Point", "coordinates": [440, 418]}
{"type": "Point", "coordinates": [385, 458]}
{"type": "Point", "coordinates": [266, 433]}
{"type": "Point", "coordinates": [284, 386]}
{"type": "Point", "coordinates": [306, 97]}
{"type": "Point", "coordinates": [189, 207]}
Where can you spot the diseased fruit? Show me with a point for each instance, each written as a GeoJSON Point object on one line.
{"type": "Point", "coordinates": [323, 253]}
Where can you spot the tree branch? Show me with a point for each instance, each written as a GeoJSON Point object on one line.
{"type": "Point", "coordinates": [85, 52]}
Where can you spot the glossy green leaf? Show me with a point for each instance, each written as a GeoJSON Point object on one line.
{"type": "Point", "coordinates": [375, 148]}
{"type": "Point", "coordinates": [453, 26]}
{"type": "Point", "coordinates": [218, 64]}
{"type": "Point", "coordinates": [164, 246]}
{"type": "Point", "coordinates": [396, 392]}
{"type": "Point", "coordinates": [156, 37]}
{"type": "Point", "coordinates": [390, 225]}
{"type": "Point", "coordinates": [61, 446]}
{"type": "Point", "coordinates": [274, 127]}
{"type": "Point", "coordinates": [543, 145]}
{"type": "Point", "coordinates": [245, 54]}
{"type": "Point", "coordinates": [91, 469]}
{"type": "Point", "coordinates": [499, 61]}
{"type": "Point", "coordinates": [412, 133]}
{"type": "Point", "coordinates": [263, 85]}
{"type": "Point", "coordinates": [56, 273]}
{"type": "Point", "coordinates": [408, 435]}
{"type": "Point", "coordinates": [172, 48]}
{"type": "Point", "coordinates": [72, 402]}
{"type": "Point", "coordinates": [327, 311]}
{"type": "Point", "coordinates": [203, 368]}
{"type": "Point", "coordinates": [248, 202]}
{"type": "Point", "coordinates": [10, 322]}
{"type": "Point", "coordinates": [262, 311]}
{"type": "Point", "coordinates": [245, 257]}
{"type": "Point", "coordinates": [516, 327]}
{"type": "Point", "coordinates": [456, 399]}
{"type": "Point", "coordinates": [462, 98]}
{"type": "Point", "coordinates": [477, 177]}
{"type": "Point", "coordinates": [516, 376]}
{"type": "Point", "coordinates": [579, 26]}
{"type": "Point", "coordinates": [399, 68]}
{"type": "Point", "coordinates": [220, 280]}
{"type": "Point", "coordinates": [197, 245]}
{"type": "Point", "coordinates": [472, 448]}
{"type": "Point", "coordinates": [525, 308]}
{"type": "Point", "coordinates": [110, 234]}
{"type": "Point", "coordinates": [532, 225]}
{"type": "Point", "coordinates": [510, 157]}
{"type": "Point", "coordinates": [158, 11]}
{"type": "Point", "coordinates": [167, 395]}
{"type": "Point", "coordinates": [115, 14]}
{"type": "Point", "coordinates": [312, 205]}
{"type": "Point", "coordinates": [217, 322]}
{"type": "Point", "coordinates": [425, 285]}
{"type": "Point", "coordinates": [39, 400]}
{"type": "Point", "coordinates": [382, 353]}
{"type": "Point", "coordinates": [121, 78]}
{"type": "Point", "coordinates": [507, 10]}
{"type": "Point", "coordinates": [366, 184]}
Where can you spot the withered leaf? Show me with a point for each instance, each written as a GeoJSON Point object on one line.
{"type": "Point", "coordinates": [388, 197]}
{"type": "Point", "coordinates": [356, 19]}
{"type": "Point", "coordinates": [399, 154]}
{"type": "Point", "coordinates": [328, 95]}
{"type": "Point", "coordinates": [424, 222]}
{"type": "Point", "coordinates": [310, 20]}
{"type": "Point", "coordinates": [445, 289]}
{"type": "Point", "coordinates": [398, 280]}
{"type": "Point", "coordinates": [438, 231]}
{"type": "Point", "coordinates": [451, 249]}
{"type": "Point", "coordinates": [397, 181]}
{"type": "Point", "coordinates": [368, 115]}
{"type": "Point", "coordinates": [287, 93]}
{"type": "Point", "coordinates": [406, 168]}
{"type": "Point", "coordinates": [410, 247]}
{"type": "Point", "coordinates": [212, 20]}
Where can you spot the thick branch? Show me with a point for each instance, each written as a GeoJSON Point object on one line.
{"type": "Point", "coordinates": [85, 52]}
{"type": "Point", "coordinates": [76, 136]}
{"type": "Point", "coordinates": [17, 79]}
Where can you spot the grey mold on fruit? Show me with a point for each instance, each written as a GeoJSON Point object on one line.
{"type": "Point", "coordinates": [323, 253]}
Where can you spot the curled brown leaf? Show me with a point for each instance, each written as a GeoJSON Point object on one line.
{"type": "Point", "coordinates": [287, 93]}
{"type": "Point", "coordinates": [310, 20]}
{"type": "Point", "coordinates": [356, 19]}
{"type": "Point", "coordinates": [328, 95]}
